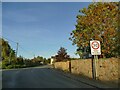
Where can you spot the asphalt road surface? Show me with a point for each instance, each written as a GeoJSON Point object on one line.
{"type": "Point", "coordinates": [39, 77]}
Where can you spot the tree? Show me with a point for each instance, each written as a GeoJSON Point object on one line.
{"type": "Point", "coordinates": [8, 54]}
{"type": "Point", "coordinates": [98, 22]}
{"type": "Point", "coordinates": [62, 54]}
{"type": "Point", "coordinates": [7, 51]}
{"type": "Point", "coordinates": [20, 60]}
{"type": "Point", "coordinates": [0, 48]}
{"type": "Point", "coordinates": [40, 58]}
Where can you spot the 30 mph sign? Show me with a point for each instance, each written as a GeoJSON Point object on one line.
{"type": "Point", "coordinates": [95, 47]}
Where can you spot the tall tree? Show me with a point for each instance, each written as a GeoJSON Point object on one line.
{"type": "Point", "coordinates": [62, 54]}
{"type": "Point", "coordinates": [99, 22]}
{"type": "Point", "coordinates": [8, 54]}
{"type": "Point", "coordinates": [0, 49]}
{"type": "Point", "coordinates": [20, 60]}
{"type": "Point", "coordinates": [7, 51]}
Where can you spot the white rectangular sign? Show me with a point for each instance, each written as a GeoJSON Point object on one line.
{"type": "Point", "coordinates": [95, 47]}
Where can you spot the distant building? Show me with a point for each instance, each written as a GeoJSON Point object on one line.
{"type": "Point", "coordinates": [41, 62]}
{"type": "Point", "coordinates": [52, 60]}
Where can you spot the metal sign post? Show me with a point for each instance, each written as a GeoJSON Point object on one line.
{"type": "Point", "coordinates": [95, 50]}
{"type": "Point", "coordinates": [96, 66]}
{"type": "Point", "coordinates": [93, 68]}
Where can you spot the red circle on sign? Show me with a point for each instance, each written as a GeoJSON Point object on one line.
{"type": "Point", "coordinates": [96, 44]}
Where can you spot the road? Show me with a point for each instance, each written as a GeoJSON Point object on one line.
{"type": "Point", "coordinates": [39, 77]}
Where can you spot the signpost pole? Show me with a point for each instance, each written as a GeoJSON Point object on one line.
{"type": "Point", "coordinates": [94, 70]}
{"type": "Point", "coordinates": [95, 50]}
{"type": "Point", "coordinates": [96, 66]}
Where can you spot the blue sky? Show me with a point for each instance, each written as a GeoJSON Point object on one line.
{"type": "Point", "coordinates": [59, 0]}
{"type": "Point", "coordinates": [40, 28]}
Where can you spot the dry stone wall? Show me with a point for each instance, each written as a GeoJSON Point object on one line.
{"type": "Point", "coordinates": [107, 69]}
{"type": "Point", "coordinates": [62, 65]}
{"type": "Point", "coordinates": [82, 67]}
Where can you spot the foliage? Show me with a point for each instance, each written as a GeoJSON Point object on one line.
{"type": "Point", "coordinates": [47, 61]}
{"type": "Point", "coordinates": [9, 59]}
{"type": "Point", "coordinates": [8, 54]}
{"type": "Point", "coordinates": [20, 60]}
{"type": "Point", "coordinates": [98, 22]}
{"type": "Point", "coordinates": [36, 61]}
{"type": "Point", "coordinates": [62, 55]}
{"type": "Point", "coordinates": [7, 51]}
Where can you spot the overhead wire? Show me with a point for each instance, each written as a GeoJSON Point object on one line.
{"type": "Point", "coordinates": [18, 45]}
{"type": "Point", "coordinates": [8, 39]}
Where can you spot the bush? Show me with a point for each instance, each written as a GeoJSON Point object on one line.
{"type": "Point", "coordinates": [9, 67]}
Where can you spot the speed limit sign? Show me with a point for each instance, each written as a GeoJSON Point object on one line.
{"type": "Point", "coordinates": [95, 47]}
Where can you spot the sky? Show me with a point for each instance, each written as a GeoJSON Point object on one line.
{"type": "Point", "coordinates": [59, 0]}
{"type": "Point", "coordinates": [0, 19]}
{"type": "Point", "coordinates": [40, 28]}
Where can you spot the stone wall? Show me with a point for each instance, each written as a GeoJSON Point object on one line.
{"type": "Point", "coordinates": [62, 65]}
{"type": "Point", "coordinates": [107, 69]}
{"type": "Point", "coordinates": [82, 67]}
